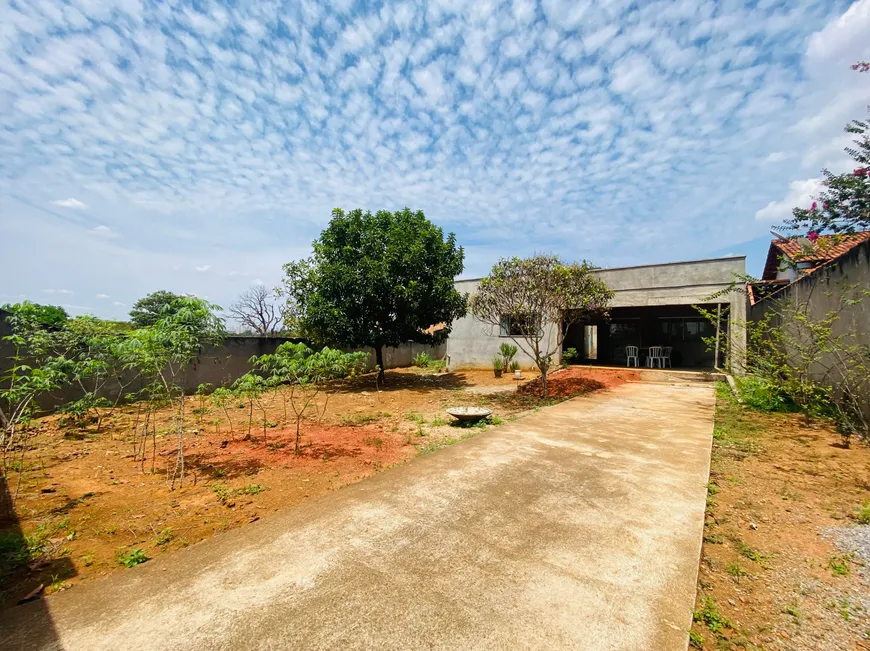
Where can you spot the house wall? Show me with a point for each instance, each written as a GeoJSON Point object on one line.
{"type": "Point", "coordinates": [474, 344]}
{"type": "Point", "coordinates": [823, 291]}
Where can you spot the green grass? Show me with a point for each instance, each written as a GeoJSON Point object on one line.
{"type": "Point", "coordinates": [862, 515]}
{"type": "Point", "coordinates": [737, 430]}
{"type": "Point", "coordinates": [164, 537]}
{"type": "Point", "coordinates": [374, 441]}
{"type": "Point", "coordinates": [225, 493]}
{"type": "Point", "coordinates": [736, 571]}
{"type": "Point", "coordinates": [840, 564]}
{"type": "Point", "coordinates": [365, 418]}
{"type": "Point", "coordinates": [752, 554]}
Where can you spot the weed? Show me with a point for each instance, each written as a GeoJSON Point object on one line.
{"type": "Point", "coordinates": [271, 423]}
{"type": "Point", "coordinates": [751, 554]}
{"type": "Point", "coordinates": [415, 417]}
{"type": "Point", "coordinates": [225, 493]}
{"type": "Point", "coordinates": [696, 641]}
{"type": "Point", "coordinates": [88, 559]}
{"type": "Point", "coordinates": [164, 537]}
{"type": "Point", "coordinates": [710, 615]}
{"type": "Point", "coordinates": [219, 473]}
{"type": "Point", "coordinates": [274, 447]}
{"type": "Point", "coordinates": [133, 558]}
{"type": "Point", "coordinates": [57, 584]}
{"type": "Point", "coordinates": [355, 420]}
{"type": "Point", "coordinates": [862, 515]}
{"type": "Point", "coordinates": [438, 421]}
{"type": "Point", "coordinates": [495, 420]}
{"type": "Point", "coordinates": [714, 539]}
{"type": "Point", "coordinates": [374, 442]}
{"type": "Point", "coordinates": [736, 571]}
{"type": "Point", "coordinates": [840, 564]}
{"type": "Point", "coordinates": [792, 610]}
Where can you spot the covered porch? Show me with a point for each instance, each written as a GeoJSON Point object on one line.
{"type": "Point", "coordinates": [682, 327]}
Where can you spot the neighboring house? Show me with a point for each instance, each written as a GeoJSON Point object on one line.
{"type": "Point", "coordinates": [789, 260]}
{"type": "Point", "coordinates": [653, 306]}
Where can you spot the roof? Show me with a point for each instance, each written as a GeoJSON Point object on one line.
{"type": "Point", "coordinates": [825, 249]}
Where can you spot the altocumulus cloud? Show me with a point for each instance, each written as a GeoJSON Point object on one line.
{"type": "Point", "coordinates": [623, 132]}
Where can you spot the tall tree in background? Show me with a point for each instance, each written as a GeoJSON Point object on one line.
{"type": "Point", "coordinates": [149, 310]}
{"type": "Point", "coordinates": [843, 206]}
{"type": "Point", "coordinates": [534, 301]}
{"type": "Point", "coordinates": [38, 316]}
{"type": "Point", "coordinates": [377, 280]}
{"type": "Point", "coordinates": [256, 310]}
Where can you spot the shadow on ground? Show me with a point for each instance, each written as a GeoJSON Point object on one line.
{"type": "Point", "coordinates": [24, 566]}
{"type": "Point", "coordinates": [417, 382]}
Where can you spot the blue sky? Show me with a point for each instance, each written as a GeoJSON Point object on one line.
{"type": "Point", "coordinates": [198, 146]}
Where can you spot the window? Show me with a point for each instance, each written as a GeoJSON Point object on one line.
{"type": "Point", "coordinates": [685, 329]}
{"type": "Point", "coordinates": [514, 326]}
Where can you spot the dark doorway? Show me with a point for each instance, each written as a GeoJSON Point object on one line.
{"type": "Point", "coordinates": [679, 326]}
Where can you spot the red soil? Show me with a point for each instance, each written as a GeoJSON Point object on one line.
{"type": "Point", "coordinates": [577, 380]}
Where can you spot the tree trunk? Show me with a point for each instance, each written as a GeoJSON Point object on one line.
{"type": "Point", "coordinates": [544, 381]}
{"type": "Point", "coordinates": [379, 360]}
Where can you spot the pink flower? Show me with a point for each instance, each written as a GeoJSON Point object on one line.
{"type": "Point", "coordinates": [825, 205]}
{"type": "Point", "coordinates": [812, 236]}
{"type": "Point", "coordinates": [861, 171]}
{"type": "Point", "coordinates": [814, 206]}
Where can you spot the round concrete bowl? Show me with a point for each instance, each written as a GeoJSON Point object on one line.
{"type": "Point", "coordinates": [469, 414]}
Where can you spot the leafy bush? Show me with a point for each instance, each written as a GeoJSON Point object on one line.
{"type": "Point", "coordinates": [568, 356]}
{"type": "Point", "coordinates": [498, 363]}
{"type": "Point", "coordinates": [763, 395]}
{"type": "Point", "coordinates": [423, 360]}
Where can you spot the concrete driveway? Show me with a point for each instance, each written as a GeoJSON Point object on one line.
{"type": "Point", "coordinates": [578, 527]}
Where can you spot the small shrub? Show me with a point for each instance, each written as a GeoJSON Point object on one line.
{"type": "Point", "coordinates": [696, 641]}
{"type": "Point", "coordinates": [862, 515]}
{"type": "Point", "coordinates": [762, 395]}
{"type": "Point", "coordinates": [423, 360]}
{"type": "Point", "coordinates": [133, 558]}
{"type": "Point", "coordinates": [568, 356]}
{"type": "Point", "coordinates": [735, 570]}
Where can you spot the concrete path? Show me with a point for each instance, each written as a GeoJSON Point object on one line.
{"type": "Point", "coordinates": [578, 527]}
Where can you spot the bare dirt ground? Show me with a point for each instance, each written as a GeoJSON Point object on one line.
{"type": "Point", "coordinates": [86, 507]}
{"type": "Point", "coordinates": [771, 576]}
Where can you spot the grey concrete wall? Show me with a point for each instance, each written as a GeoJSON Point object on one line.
{"type": "Point", "coordinates": [474, 344]}
{"type": "Point", "coordinates": [218, 366]}
{"type": "Point", "coordinates": [823, 291]}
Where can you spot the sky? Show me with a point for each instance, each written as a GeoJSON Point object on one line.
{"type": "Point", "coordinates": [198, 146]}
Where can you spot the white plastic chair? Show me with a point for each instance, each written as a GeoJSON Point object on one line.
{"type": "Point", "coordinates": [655, 357]}
{"type": "Point", "coordinates": [666, 356]}
{"type": "Point", "coordinates": [631, 353]}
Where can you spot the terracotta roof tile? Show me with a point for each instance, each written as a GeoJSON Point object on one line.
{"type": "Point", "coordinates": [825, 249]}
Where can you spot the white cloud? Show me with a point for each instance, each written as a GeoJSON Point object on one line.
{"type": "Point", "coordinates": [257, 281]}
{"type": "Point", "coordinates": [104, 231]}
{"type": "Point", "coordinates": [515, 124]}
{"type": "Point", "coordinates": [119, 304]}
{"type": "Point", "coordinates": [72, 202]}
{"type": "Point", "coordinates": [65, 292]}
{"type": "Point", "coordinates": [800, 195]}
{"type": "Point", "coordinates": [102, 296]}
{"type": "Point", "coordinates": [777, 157]}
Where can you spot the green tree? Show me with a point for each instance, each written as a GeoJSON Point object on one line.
{"type": "Point", "coordinates": [376, 280]}
{"type": "Point", "coordinates": [534, 301]}
{"type": "Point", "coordinates": [150, 309]}
{"type": "Point", "coordinates": [300, 373]}
{"type": "Point", "coordinates": [164, 352]}
{"type": "Point", "coordinates": [843, 205]}
{"type": "Point", "coordinates": [38, 316]}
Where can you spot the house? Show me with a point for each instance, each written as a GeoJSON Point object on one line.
{"type": "Point", "coordinates": [790, 259]}
{"type": "Point", "coordinates": [654, 305]}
